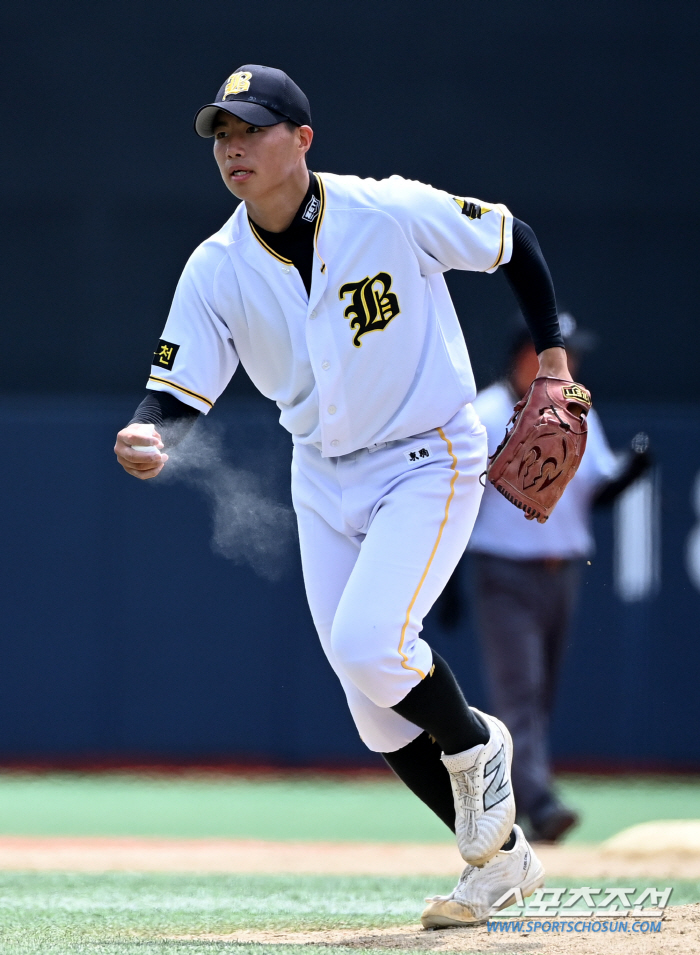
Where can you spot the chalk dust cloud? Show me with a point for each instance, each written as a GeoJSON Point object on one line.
{"type": "Point", "coordinates": [248, 527]}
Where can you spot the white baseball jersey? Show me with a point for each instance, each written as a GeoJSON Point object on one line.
{"type": "Point", "coordinates": [502, 530]}
{"type": "Point", "coordinates": [375, 353]}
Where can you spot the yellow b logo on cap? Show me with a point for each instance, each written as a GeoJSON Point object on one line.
{"type": "Point", "coordinates": [237, 83]}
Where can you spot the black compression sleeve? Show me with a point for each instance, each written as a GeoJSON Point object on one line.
{"type": "Point", "coordinates": [529, 277]}
{"type": "Point", "coordinates": [171, 417]}
{"type": "Point", "coordinates": [437, 705]}
{"type": "Point", "coordinates": [419, 766]}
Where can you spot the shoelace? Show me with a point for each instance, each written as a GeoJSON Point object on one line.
{"type": "Point", "coordinates": [463, 879]}
{"type": "Point", "coordinates": [468, 795]}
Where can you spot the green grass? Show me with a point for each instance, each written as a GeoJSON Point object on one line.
{"type": "Point", "coordinates": [215, 806]}
{"type": "Point", "coordinates": [138, 914]}
{"type": "Point", "coordinates": [303, 808]}
{"type": "Point", "coordinates": [60, 913]}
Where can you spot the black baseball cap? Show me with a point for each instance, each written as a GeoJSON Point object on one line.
{"type": "Point", "coordinates": [259, 95]}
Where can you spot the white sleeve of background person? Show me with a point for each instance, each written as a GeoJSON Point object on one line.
{"type": "Point", "coordinates": [501, 528]}
{"type": "Point", "coordinates": [450, 232]}
{"type": "Point", "coordinates": [602, 464]}
{"type": "Point", "coordinates": [205, 358]}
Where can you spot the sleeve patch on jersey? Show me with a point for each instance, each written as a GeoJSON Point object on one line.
{"type": "Point", "coordinates": [472, 210]}
{"type": "Point", "coordinates": [164, 355]}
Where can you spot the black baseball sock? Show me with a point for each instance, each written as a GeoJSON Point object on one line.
{"type": "Point", "coordinates": [419, 766]}
{"type": "Point", "coordinates": [437, 705]}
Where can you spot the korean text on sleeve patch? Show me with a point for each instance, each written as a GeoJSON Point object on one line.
{"type": "Point", "coordinates": [164, 355]}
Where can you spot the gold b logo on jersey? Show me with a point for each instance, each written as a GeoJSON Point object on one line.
{"type": "Point", "coordinates": [237, 83]}
{"type": "Point", "coordinates": [373, 306]}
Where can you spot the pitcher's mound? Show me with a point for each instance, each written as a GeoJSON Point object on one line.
{"type": "Point", "coordinates": [680, 933]}
{"type": "Point", "coordinates": [678, 837]}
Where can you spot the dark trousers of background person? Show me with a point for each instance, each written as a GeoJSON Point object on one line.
{"type": "Point", "coordinates": [523, 612]}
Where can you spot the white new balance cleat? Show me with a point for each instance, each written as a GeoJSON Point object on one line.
{"type": "Point", "coordinates": [483, 891]}
{"type": "Point", "coordinates": [484, 803]}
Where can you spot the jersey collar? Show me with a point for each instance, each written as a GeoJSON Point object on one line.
{"type": "Point", "coordinates": [317, 189]}
{"type": "Point", "coordinates": [319, 219]}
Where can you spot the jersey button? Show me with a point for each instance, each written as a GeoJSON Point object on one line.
{"type": "Point", "coordinates": [286, 269]}
{"type": "Point", "coordinates": [312, 316]}
{"type": "Point", "coordinates": [335, 443]}
{"type": "Point", "coordinates": [325, 365]}
{"type": "Point", "coordinates": [332, 409]}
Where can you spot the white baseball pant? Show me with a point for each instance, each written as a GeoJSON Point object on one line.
{"type": "Point", "coordinates": [381, 531]}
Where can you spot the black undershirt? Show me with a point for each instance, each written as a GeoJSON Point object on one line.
{"type": "Point", "coordinates": [531, 282]}
{"type": "Point", "coordinates": [527, 274]}
{"type": "Point", "coordinates": [297, 241]}
{"type": "Point", "coordinates": [172, 417]}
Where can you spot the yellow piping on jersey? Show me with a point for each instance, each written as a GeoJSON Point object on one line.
{"type": "Point", "coordinates": [263, 243]}
{"type": "Point", "coordinates": [322, 190]}
{"type": "Point", "coordinates": [455, 475]}
{"type": "Point", "coordinates": [186, 391]}
{"type": "Point", "coordinates": [503, 238]}
{"type": "Point", "coordinates": [281, 258]}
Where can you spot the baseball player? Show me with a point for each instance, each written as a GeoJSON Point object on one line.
{"type": "Point", "coordinates": [329, 290]}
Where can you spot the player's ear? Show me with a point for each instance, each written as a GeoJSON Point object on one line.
{"type": "Point", "coordinates": [306, 135]}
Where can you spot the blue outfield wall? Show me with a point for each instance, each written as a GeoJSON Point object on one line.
{"type": "Point", "coordinates": [125, 636]}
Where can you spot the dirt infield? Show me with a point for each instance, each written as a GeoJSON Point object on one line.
{"type": "Point", "coordinates": [680, 933]}
{"type": "Point", "coordinates": [101, 854]}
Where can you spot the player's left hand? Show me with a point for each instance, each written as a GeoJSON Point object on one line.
{"type": "Point", "coordinates": [140, 464]}
{"type": "Point", "coordinates": [553, 364]}
{"type": "Point", "coordinates": [543, 445]}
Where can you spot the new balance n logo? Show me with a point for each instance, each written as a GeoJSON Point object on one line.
{"type": "Point", "coordinates": [498, 787]}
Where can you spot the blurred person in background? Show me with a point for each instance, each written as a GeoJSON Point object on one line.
{"type": "Point", "coordinates": [526, 578]}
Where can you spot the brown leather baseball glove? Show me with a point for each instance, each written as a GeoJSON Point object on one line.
{"type": "Point", "coordinates": [543, 445]}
